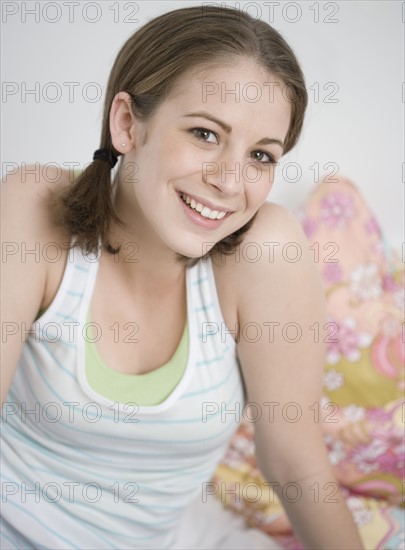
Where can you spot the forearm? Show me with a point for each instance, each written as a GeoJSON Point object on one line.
{"type": "Point", "coordinates": [318, 513]}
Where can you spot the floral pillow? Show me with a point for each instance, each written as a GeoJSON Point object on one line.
{"type": "Point", "coordinates": [363, 407]}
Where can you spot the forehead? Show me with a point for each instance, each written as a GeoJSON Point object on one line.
{"type": "Point", "coordinates": [237, 91]}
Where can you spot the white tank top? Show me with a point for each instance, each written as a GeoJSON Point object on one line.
{"type": "Point", "coordinates": [81, 471]}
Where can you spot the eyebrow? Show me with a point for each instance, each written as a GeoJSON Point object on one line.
{"type": "Point", "coordinates": [228, 128]}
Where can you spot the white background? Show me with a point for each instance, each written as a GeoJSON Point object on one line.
{"type": "Point", "coordinates": [362, 53]}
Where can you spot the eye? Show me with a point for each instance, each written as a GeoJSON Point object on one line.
{"type": "Point", "coordinates": [271, 160]}
{"type": "Point", "coordinates": [200, 134]}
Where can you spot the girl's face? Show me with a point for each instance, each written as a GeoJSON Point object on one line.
{"type": "Point", "coordinates": [207, 164]}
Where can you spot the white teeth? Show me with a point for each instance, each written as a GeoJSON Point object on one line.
{"type": "Point", "coordinates": [203, 210]}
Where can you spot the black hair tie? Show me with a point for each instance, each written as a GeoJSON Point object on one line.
{"type": "Point", "coordinates": [108, 156]}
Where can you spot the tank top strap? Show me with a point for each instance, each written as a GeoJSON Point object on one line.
{"type": "Point", "coordinates": [207, 318]}
{"type": "Point", "coordinates": [69, 303]}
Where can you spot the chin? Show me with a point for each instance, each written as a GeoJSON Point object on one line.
{"type": "Point", "coordinates": [194, 253]}
{"type": "Point", "coordinates": [193, 249]}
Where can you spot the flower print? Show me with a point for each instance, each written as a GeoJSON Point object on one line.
{"type": "Point", "coordinates": [336, 210]}
{"type": "Point", "coordinates": [354, 503]}
{"type": "Point", "coordinates": [308, 224]}
{"type": "Point", "coordinates": [379, 415]}
{"type": "Point", "coordinates": [232, 459]}
{"type": "Point", "coordinates": [399, 299]}
{"type": "Point", "coordinates": [337, 452]}
{"type": "Point", "coordinates": [378, 248]}
{"type": "Point", "coordinates": [263, 519]}
{"type": "Point", "coordinates": [348, 344]}
{"type": "Point", "coordinates": [400, 449]}
{"type": "Point", "coordinates": [365, 456]}
{"type": "Point", "coordinates": [332, 273]}
{"type": "Point", "coordinates": [354, 413]}
{"type": "Point", "coordinates": [244, 446]}
{"type": "Point", "coordinates": [237, 504]}
{"type": "Point", "coordinates": [362, 516]}
{"type": "Point", "coordinates": [365, 282]}
{"type": "Point", "coordinates": [333, 380]}
{"type": "Point", "coordinates": [372, 226]}
{"type": "Point", "coordinates": [390, 326]}
{"type": "Point", "coordinates": [389, 283]}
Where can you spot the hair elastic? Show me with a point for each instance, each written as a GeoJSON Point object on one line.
{"type": "Point", "coordinates": [108, 156]}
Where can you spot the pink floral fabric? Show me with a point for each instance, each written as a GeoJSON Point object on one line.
{"type": "Point", "coordinates": [363, 407]}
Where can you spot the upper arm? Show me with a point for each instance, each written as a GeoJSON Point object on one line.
{"type": "Point", "coordinates": [24, 230]}
{"type": "Point", "coordinates": [282, 314]}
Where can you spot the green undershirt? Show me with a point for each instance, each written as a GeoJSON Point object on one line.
{"type": "Point", "coordinates": [146, 389]}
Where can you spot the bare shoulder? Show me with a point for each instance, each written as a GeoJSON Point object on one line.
{"type": "Point", "coordinates": [274, 241]}
{"type": "Point", "coordinates": [272, 256]}
{"type": "Point", "coordinates": [275, 224]}
{"type": "Point", "coordinates": [26, 227]}
{"type": "Point", "coordinates": [28, 222]}
{"type": "Point", "coordinates": [26, 193]}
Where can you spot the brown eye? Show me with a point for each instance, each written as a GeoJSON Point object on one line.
{"type": "Point", "coordinates": [202, 134]}
{"type": "Point", "coordinates": [271, 158]}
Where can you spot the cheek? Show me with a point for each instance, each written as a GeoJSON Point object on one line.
{"type": "Point", "coordinates": [163, 165]}
{"type": "Point", "coordinates": [257, 192]}
{"type": "Point", "coordinates": [177, 157]}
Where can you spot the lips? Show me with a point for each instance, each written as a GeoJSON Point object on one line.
{"type": "Point", "coordinates": [201, 220]}
{"type": "Point", "coordinates": [204, 211]}
{"type": "Point", "coordinates": [206, 203]}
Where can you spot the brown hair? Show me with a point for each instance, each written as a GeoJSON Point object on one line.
{"type": "Point", "coordinates": [147, 67]}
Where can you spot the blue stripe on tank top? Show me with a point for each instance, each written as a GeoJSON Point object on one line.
{"type": "Point", "coordinates": [80, 268]}
{"type": "Point", "coordinates": [110, 480]}
{"type": "Point", "coordinates": [198, 419]}
{"type": "Point", "coordinates": [58, 363]}
{"type": "Point", "coordinates": [203, 308]}
{"type": "Point", "coordinates": [213, 359]}
{"type": "Point", "coordinates": [8, 539]}
{"type": "Point", "coordinates": [77, 294]}
{"type": "Point", "coordinates": [78, 410]}
{"type": "Point", "coordinates": [106, 416]}
{"type": "Point", "coordinates": [118, 438]}
{"type": "Point", "coordinates": [123, 480]}
{"type": "Point", "coordinates": [88, 526]}
{"type": "Point", "coordinates": [200, 280]}
{"type": "Point", "coordinates": [84, 504]}
{"type": "Point", "coordinates": [112, 417]}
{"type": "Point", "coordinates": [64, 316]}
{"type": "Point", "coordinates": [58, 535]}
{"type": "Point", "coordinates": [144, 421]}
{"type": "Point", "coordinates": [17, 538]}
{"type": "Point", "coordinates": [215, 386]}
{"type": "Point", "coordinates": [146, 492]}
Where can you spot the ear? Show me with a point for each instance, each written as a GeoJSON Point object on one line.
{"type": "Point", "coordinates": [124, 126]}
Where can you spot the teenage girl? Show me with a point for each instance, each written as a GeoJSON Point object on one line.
{"type": "Point", "coordinates": [130, 356]}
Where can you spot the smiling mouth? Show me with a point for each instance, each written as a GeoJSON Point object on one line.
{"type": "Point", "coordinates": [204, 211]}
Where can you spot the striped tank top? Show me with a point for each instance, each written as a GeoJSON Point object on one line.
{"type": "Point", "coordinates": [80, 470]}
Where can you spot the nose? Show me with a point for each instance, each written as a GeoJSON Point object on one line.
{"type": "Point", "coordinates": [226, 174]}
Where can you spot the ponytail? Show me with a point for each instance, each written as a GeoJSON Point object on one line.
{"type": "Point", "coordinates": [85, 208]}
